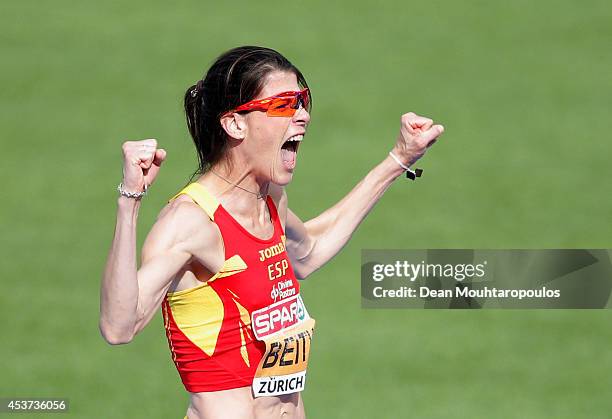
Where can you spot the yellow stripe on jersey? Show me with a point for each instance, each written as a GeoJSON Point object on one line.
{"type": "Point", "coordinates": [199, 314]}
{"type": "Point", "coordinates": [231, 266]}
{"type": "Point", "coordinates": [198, 311]}
{"type": "Point", "coordinates": [201, 197]}
{"type": "Point", "coordinates": [245, 322]}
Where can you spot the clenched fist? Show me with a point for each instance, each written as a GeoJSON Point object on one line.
{"type": "Point", "coordinates": [141, 163]}
{"type": "Point", "coordinates": [417, 133]}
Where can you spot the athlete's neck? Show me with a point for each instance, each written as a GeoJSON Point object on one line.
{"type": "Point", "coordinates": [242, 195]}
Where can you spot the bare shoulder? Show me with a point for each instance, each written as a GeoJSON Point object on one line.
{"type": "Point", "coordinates": [181, 225]}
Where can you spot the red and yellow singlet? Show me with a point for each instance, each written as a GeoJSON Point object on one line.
{"type": "Point", "coordinates": [247, 325]}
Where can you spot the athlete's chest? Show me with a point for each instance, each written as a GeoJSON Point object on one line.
{"type": "Point", "coordinates": [259, 274]}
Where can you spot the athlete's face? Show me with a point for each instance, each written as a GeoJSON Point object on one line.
{"type": "Point", "coordinates": [272, 142]}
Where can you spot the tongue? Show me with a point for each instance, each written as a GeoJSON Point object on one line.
{"type": "Point", "coordinates": [288, 157]}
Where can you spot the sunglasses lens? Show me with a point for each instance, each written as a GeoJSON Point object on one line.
{"type": "Point", "coordinates": [288, 105]}
{"type": "Point", "coordinates": [306, 98]}
{"type": "Point", "coordinates": [282, 106]}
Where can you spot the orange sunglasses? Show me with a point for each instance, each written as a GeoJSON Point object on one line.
{"type": "Point", "coordinates": [282, 104]}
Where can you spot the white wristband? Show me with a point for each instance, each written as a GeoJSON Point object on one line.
{"type": "Point", "coordinates": [410, 174]}
{"type": "Point", "coordinates": [398, 161]}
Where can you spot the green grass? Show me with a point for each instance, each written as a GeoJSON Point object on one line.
{"type": "Point", "coordinates": [522, 89]}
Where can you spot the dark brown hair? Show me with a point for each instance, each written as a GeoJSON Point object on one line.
{"type": "Point", "coordinates": [236, 77]}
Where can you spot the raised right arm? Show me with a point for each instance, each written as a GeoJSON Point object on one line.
{"type": "Point", "coordinates": [122, 283]}
{"type": "Point", "coordinates": [129, 296]}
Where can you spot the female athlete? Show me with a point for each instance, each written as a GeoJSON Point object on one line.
{"type": "Point", "coordinates": [223, 258]}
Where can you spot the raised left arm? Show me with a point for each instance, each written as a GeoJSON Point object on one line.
{"type": "Point", "coordinates": [312, 244]}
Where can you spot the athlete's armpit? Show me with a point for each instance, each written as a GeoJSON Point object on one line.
{"type": "Point", "coordinates": [183, 232]}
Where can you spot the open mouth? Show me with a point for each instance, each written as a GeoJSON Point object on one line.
{"type": "Point", "coordinates": [289, 151]}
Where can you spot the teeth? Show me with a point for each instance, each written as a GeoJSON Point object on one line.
{"type": "Point", "coordinates": [296, 138]}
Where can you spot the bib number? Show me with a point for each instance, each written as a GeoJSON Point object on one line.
{"type": "Point", "coordinates": [282, 369]}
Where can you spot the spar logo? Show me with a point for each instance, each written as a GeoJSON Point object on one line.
{"type": "Point", "coordinates": [278, 317]}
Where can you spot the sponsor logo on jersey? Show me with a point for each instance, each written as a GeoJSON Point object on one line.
{"type": "Point", "coordinates": [271, 251]}
{"type": "Point", "coordinates": [282, 289]}
{"type": "Point", "coordinates": [278, 316]}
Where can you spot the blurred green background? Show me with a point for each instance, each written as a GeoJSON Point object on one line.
{"type": "Point", "coordinates": [523, 89]}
